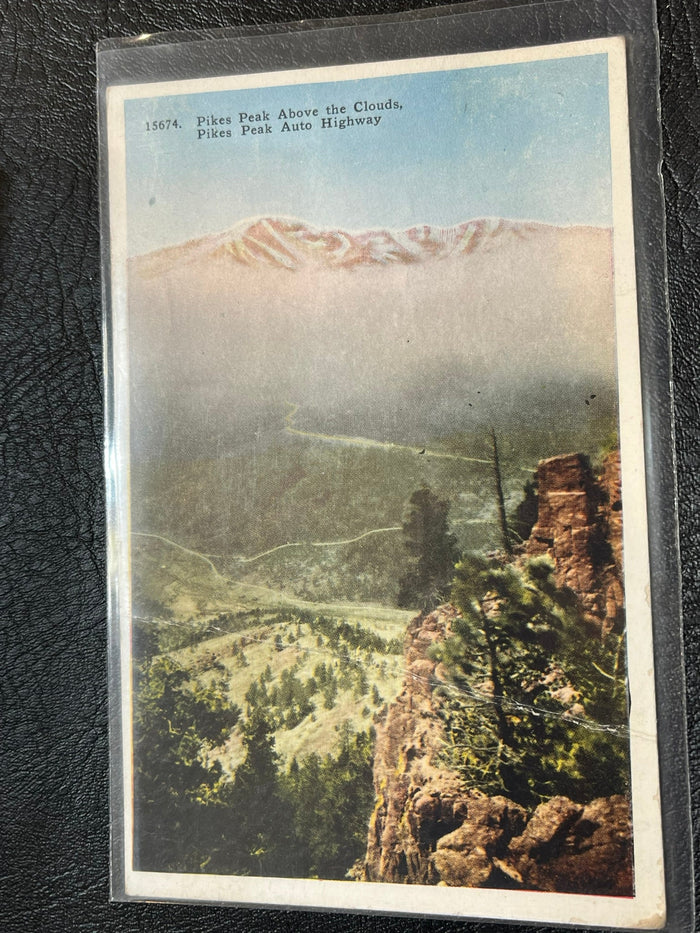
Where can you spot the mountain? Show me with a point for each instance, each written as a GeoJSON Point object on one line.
{"type": "Point", "coordinates": [289, 244]}
{"type": "Point", "coordinates": [388, 334]}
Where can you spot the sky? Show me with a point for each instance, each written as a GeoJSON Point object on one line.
{"type": "Point", "coordinates": [522, 141]}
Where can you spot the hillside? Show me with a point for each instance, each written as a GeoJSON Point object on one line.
{"type": "Point", "coordinates": [316, 679]}
{"type": "Point", "coordinates": [227, 634]}
{"type": "Point", "coordinates": [322, 520]}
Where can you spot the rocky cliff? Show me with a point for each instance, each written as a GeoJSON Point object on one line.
{"type": "Point", "coordinates": [417, 801]}
{"type": "Point", "coordinates": [579, 525]}
{"type": "Point", "coordinates": [427, 827]}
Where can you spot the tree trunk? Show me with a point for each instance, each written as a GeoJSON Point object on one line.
{"type": "Point", "coordinates": [505, 536]}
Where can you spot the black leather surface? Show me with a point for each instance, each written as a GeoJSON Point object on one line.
{"type": "Point", "coordinates": [54, 770]}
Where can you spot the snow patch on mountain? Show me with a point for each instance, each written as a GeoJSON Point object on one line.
{"type": "Point", "coordinates": [292, 243]}
{"type": "Point", "coordinates": [288, 243]}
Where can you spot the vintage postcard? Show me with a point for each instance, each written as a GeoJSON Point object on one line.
{"type": "Point", "coordinates": [379, 552]}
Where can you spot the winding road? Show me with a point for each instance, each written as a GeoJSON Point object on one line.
{"type": "Point", "coordinates": [289, 428]}
{"type": "Point", "coordinates": [180, 547]}
{"type": "Point", "coordinates": [368, 441]}
{"type": "Point", "coordinates": [280, 547]}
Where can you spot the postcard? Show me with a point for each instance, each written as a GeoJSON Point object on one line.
{"type": "Point", "coordinates": [380, 545]}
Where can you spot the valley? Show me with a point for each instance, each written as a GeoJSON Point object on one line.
{"type": "Point", "coordinates": [298, 396]}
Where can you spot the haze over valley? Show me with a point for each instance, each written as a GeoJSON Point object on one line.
{"type": "Point", "coordinates": [400, 336]}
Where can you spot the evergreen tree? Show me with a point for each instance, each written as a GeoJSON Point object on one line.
{"type": "Point", "coordinates": [533, 698]}
{"type": "Point", "coordinates": [333, 798]}
{"type": "Point", "coordinates": [525, 514]}
{"type": "Point", "coordinates": [259, 831]}
{"type": "Point", "coordinates": [176, 789]}
{"type": "Point", "coordinates": [500, 501]}
{"type": "Point", "coordinates": [432, 552]}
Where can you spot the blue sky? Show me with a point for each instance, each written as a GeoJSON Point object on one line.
{"type": "Point", "coordinates": [526, 140]}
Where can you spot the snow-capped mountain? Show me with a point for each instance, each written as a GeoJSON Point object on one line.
{"type": "Point", "coordinates": [290, 244]}
{"type": "Point", "coordinates": [419, 326]}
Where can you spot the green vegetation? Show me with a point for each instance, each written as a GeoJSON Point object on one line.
{"type": "Point", "coordinates": [308, 670]}
{"type": "Point", "coordinates": [309, 677]}
{"type": "Point", "coordinates": [535, 706]}
{"type": "Point", "coordinates": [260, 840]}
{"type": "Point", "coordinates": [304, 493]}
{"type": "Point", "coordinates": [334, 797]}
{"type": "Point", "coordinates": [266, 647]}
{"type": "Point", "coordinates": [203, 806]}
{"type": "Point", "coordinates": [307, 821]}
{"type": "Point", "coordinates": [176, 724]}
{"type": "Point", "coordinates": [432, 552]}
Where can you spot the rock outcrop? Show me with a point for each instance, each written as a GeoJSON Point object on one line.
{"type": "Point", "coordinates": [575, 849]}
{"type": "Point", "coordinates": [417, 801]}
{"type": "Point", "coordinates": [579, 525]}
{"type": "Point", "coordinates": [427, 827]}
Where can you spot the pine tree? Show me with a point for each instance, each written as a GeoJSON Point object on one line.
{"type": "Point", "coordinates": [525, 514]}
{"type": "Point", "coordinates": [432, 552]}
{"type": "Point", "coordinates": [500, 501]}
{"type": "Point", "coordinates": [333, 798]}
{"type": "Point", "coordinates": [510, 726]}
{"type": "Point", "coordinates": [260, 823]}
{"type": "Point", "coordinates": [176, 789]}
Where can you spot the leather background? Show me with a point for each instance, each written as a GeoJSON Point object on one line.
{"type": "Point", "coordinates": [54, 747]}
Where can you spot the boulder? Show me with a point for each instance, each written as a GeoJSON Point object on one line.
{"type": "Point", "coordinates": [468, 856]}
{"type": "Point", "coordinates": [577, 850]}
